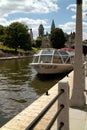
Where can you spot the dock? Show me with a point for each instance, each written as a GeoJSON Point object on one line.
{"type": "Point", "coordinates": [77, 116]}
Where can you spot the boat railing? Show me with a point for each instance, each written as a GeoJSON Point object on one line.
{"type": "Point", "coordinates": [61, 117]}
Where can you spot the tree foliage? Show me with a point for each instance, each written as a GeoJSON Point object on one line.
{"type": "Point", "coordinates": [2, 33]}
{"type": "Point", "coordinates": [38, 42]}
{"type": "Point", "coordinates": [17, 36]}
{"type": "Point", "coordinates": [57, 38]}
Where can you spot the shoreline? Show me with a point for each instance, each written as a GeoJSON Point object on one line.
{"type": "Point", "coordinates": [14, 57]}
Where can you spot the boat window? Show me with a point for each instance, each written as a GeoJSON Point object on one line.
{"type": "Point", "coordinates": [35, 60]}
{"type": "Point", "coordinates": [63, 52]}
{"type": "Point", "coordinates": [45, 59]}
{"type": "Point", "coordinates": [65, 58]}
{"type": "Point", "coordinates": [57, 59]}
{"type": "Point", "coordinates": [47, 52]}
{"type": "Point", "coordinates": [64, 55]}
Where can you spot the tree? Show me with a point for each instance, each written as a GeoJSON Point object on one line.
{"type": "Point", "coordinates": [57, 38]}
{"type": "Point", "coordinates": [38, 42]}
{"type": "Point", "coordinates": [17, 36]}
{"type": "Point", "coordinates": [2, 33]}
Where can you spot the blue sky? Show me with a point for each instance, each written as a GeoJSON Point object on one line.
{"type": "Point", "coordinates": [36, 12]}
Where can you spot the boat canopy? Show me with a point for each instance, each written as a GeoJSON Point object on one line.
{"type": "Point", "coordinates": [52, 56]}
{"type": "Point", "coordinates": [47, 52]}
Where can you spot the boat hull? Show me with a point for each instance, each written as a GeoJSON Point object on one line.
{"type": "Point", "coordinates": [43, 68]}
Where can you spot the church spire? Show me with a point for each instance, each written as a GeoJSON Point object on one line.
{"type": "Point", "coordinates": [52, 25]}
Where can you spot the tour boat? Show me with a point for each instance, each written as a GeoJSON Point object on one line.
{"type": "Point", "coordinates": [53, 61]}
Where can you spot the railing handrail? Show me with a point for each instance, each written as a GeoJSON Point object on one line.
{"type": "Point", "coordinates": [37, 119]}
{"type": "Point", "coordinates": [54, 118]}
{"type": "Point", "coordinates": [43, 112]}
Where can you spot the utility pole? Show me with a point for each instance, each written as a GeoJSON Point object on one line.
{"type": "Point", "coordinates": [78, 97]}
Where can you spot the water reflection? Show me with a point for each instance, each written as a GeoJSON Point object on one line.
{"type": "Point", "coordinates": [20, 86]}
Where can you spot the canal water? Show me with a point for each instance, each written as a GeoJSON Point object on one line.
{"type": "Point", "coordinates": [20, 86]}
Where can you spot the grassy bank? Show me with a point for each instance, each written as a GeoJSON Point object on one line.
{"type": "Point", "coordinates": [6, 51]}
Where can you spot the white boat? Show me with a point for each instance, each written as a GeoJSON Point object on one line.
{"type": "Point", "coordinates": [53, 61]}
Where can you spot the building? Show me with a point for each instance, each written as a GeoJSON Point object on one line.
{"type": "Point", "coordinates": [41, 30]}
{"type": "Point", "coordinates": [31, 36]}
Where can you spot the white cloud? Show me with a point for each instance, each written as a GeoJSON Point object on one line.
{"type": "Point", "coordinates": [8, 7]}
{"type": "Point", "coordinates": [27, 6]}
{"type": "Point", "coordinates": [4, 22]}
{"type": "Point", "coordinates": [72, 7]}
{"type": "Point", "coordinates": [31, 23]}
{"type": "Point", "coordinates": [85, 26]}
{"type": "Point", "coordinates": [85, 4]}
{"type": "Point", "coordinates": [84, 35]}
{"type": "Point", "coordinates": [69, 26]}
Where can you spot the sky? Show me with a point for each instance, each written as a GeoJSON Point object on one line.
{"type": "Point", "coordinates": [36, 12]}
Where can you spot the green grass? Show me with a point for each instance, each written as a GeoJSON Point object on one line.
{"type": "Point", "coordinates": [12, 50]}
{"type": "Point", "coordinates": [2, 47]}
{"type": "Point", "coordinates": [1, 52]}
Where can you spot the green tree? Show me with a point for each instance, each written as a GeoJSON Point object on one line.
{"type": "Point", "coordinates": [17, 36]}
{"type": "Point", "coordinates": [38, 42]}
{"type": "Point", "coordinates": [2, 33]}
{"type": "Point", "coordinates": [57, 38]}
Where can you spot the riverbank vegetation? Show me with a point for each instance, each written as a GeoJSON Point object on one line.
{"type": "Point", "coordinates": [15, 39]}
{"type": "Point", "coordinates": [15, 36]}
{"type": "Point", "coordinates": [7, 51]}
